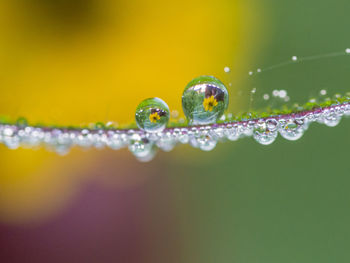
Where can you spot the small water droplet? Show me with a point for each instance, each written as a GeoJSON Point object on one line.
{"type": "Point", "coordinates": [204, 140]}
{"type": "Point", "coordinates": [139, 146]}
{"type": "Point", "coordinates": [149, 156]}
{"type": "Point", "coordinates": [272, 124]}
{"type": "Point", "coordinates": [204, 100]}
{"type": "Point", "coordinates": [114, 141]}
{"type": "Point", "coordinates": [152, 115]}
{"type": "Point", "coordinates": [266, 97]}
{"type": "Point", "coordinates": [22, 122]}
{"type": "Point", "coordinates": [84, 138]}
{"type": "Point", "coordinates": [294, 58]}
{"type": "Point", "coordinates": [330, 118]}
{"type": "Point", "coordinates": [323, 92]}
{"type": "Point", "coordinates": [232, 132]}
{"type": "Point", "coordinates": [292, 131]}
{"type": "Point", "coordinates": [227, 69]}
{"type": "Point", "coordinates": [263, 135]}
{"type": "Point", "coordinates": [312, 100]}
{"type": "Point", "coordinates": [183, 136]}
{"type": "Point", "coordinates": [111, 125]}
{"type": "Point", "coordinates": [10, 138]}
{"type": "Point", "coordinates": [275, 93]}
{"type": "Point", "coordinates": [282, 93]}
{"type": "Point", "coordinates": [99, 126]}
{"type": "Point", "coordinates": [166, 142]}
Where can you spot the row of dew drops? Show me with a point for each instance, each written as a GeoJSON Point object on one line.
{"type": "Point", "coordinates": [204, 102]}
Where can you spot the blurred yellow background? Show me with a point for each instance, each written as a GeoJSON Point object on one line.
{"type": "Point", "coordinates": [73, 62]}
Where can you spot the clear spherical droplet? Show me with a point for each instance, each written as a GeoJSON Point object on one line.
{"type": "Point", "coordinates": [152, 115]}
{"type": "Point", "coordinates": [204, 100]}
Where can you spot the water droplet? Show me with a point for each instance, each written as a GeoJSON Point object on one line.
{"type": "Point", "coordinates": [347, 110]}
{"type": "Point", "coordinates": [291, 130]}
{"type": "Point", "coordinates": [140, 147]}
{"type": "Point", "coordinates": [330, 118]}
{"type": "Point", "coordinates": [84, 138]}
{"type": "Point", "coordinates": [227, 69]}
{"type": "Point", "coordinates": [282, 93]}
{"type": "Point", "coordinates": [62, 149]}
{"type": "Point", "coordinates": [294, 58]}
{"type": "Point", "coordinates": [263, 135]}
{"type": "Point", "coordinates": [250, 73]}
{"type": "Point", "coordinates": [218, 133]}
{"type": "Point", "coordinates": [152, 115]}
{"type": "Point", "coordinates": [10, 138]}
{"type": "Point", "coordinates": [272, 124]}
{"type": "Point", "coordinates": [332, 121]}
{"type": "Point", "coordinates": [204, 140]}
{"type": "Point", "coordinates": [149, 156]}
{"type": "Point", "coordinates": [111, 125]}
{"type": "Point", "coordinates": [99, 126]}
{"type": "Point", "coordinates": [22, 122]}
{"type": "Point", "coordinates": [323, 92]}
{"type": "Point", "coordinates": [266, 97]}
{"type": "Point", "coordinates": [183, 136]}
{"type": "Point", "coordinates": [232, 132]}
{"type": "Point", "coordinates": [166, 142]}
{"type": "Point", "coordinates": [258, 70]}
{"type": "Point", "coordinates": [114, 140]}
{"type": "Point", "coordinates": [275, 93]}
{"type": "Point", "coordinates": [313, 100]}
{"type": "Point", "coordinates": [204, 100]}
{"type": "Point", "coordinates": [347, 51]}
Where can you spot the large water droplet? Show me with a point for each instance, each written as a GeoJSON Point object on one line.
{"type": "Point", "coordinates": [152, 115]}
{"type": "Point", "coordinates": [204, 100]}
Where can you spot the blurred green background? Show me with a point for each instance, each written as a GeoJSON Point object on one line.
{"type": "Point", "coordinates": [242, 202]}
